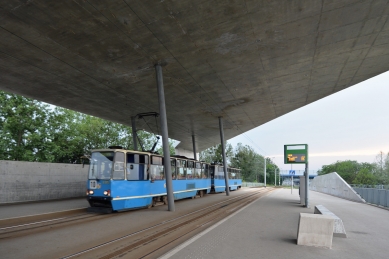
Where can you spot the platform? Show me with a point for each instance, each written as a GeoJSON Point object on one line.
{"type": "Point", "coordinates": [267, 228]}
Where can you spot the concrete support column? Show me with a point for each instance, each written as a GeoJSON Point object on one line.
{"type": "Point", "coordinates": [165, 140]}
{"type": "Point", "coordinates": [134, 135]}
{"type": "Point", "coordinates": [224, 155]}
{"type": "Point", "coordinates": [194, 147]}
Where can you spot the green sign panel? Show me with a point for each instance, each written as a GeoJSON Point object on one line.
{"type": "Point", "coordinates": [296, 154]}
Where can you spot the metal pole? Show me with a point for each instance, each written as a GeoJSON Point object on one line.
{"type": "Point", "coordinates": [134, 134]}
{"type": "Point", "coordinates": [165, 140]}
{"type": "Point", "coordinates": [291, 189]}
{"type": "Point", "coordinates": [265, 172]}
{"type": "Point", "coordinates": [224, 155]}
{"type": "Point", "coordinates": [275, 177]}
{"type": "Point", "coordinates": [194, 147]}
{"type": "Point", "coordinates": [279, 178]}
{"type": "Point", "coordinates": [306, 185]}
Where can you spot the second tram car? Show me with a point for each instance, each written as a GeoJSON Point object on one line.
{"type": "Point", "coordinates": [218, 183]}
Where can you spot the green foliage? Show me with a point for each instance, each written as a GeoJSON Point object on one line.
{"type": "Point", "coordinates": [382, 168]}
{"type": "Point", "coordinates": [365, 176]}
{"type": "Point", "coordinates": [250, 163]}
{"type": "Point", "coordinates": [31, 131]}
{"type": "Point", "coordinates": [360, 173]}
{"type": "Point", "coordinates": [171, 148]}
{"type": "Point", "coordinates": [23, 128]}
{"type": "Point", "coordinates": [214, 154]}
{"type": "Point", "coordinates": [346, 169]}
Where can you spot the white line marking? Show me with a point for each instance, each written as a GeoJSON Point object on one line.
{"type": "Point", "coordinates": [36, 215]}
{"type": "Point", "coordinates": [34, 223]}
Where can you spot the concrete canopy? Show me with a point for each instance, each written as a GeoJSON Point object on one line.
{"type": "Point", "coordinates": [249, 61]}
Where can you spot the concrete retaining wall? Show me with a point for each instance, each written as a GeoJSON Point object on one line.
{"type": "Point", "coordinates": [335, 185]}
{"type": "Point", "coordinates": [31, 181]}
{"type": "Point", "coordinates": [375, 196]}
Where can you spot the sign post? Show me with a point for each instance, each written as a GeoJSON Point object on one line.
{"type": "Point", "coordinates": [292, 172]}
{"type": "Point", "coordinates": [298, 154]}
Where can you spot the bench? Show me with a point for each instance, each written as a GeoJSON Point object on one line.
{"type": "Point", "coordinates": [339, 230]}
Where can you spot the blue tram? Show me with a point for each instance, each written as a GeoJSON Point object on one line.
{"type": "Point", "coordinates": [121, 179]}
{"type": "Point", "coordinates": [218, 183]}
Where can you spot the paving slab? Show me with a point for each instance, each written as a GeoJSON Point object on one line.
{"type": "Point", "coordinates": [267, 228]}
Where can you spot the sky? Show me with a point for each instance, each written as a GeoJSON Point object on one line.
{"type": "Point", "coordinates": [352, 124]}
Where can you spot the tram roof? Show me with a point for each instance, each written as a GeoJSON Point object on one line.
{"type": "Point", "coordinates": [248, 61]}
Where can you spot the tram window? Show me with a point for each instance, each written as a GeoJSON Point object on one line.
{"type": "Point", "coordinates": [157, 172]}
{"type": "Point", "coordinates": [181, 169]}
{"type": "Point", "coordinates": [173, 168]}
{"type": "Point", "coordinates": [101, 165]}
{"type": "Point", "coordinates": [189, 170]}
{"type": "Point", "coordinates": [197, 171]}
{"type": "Point", "coordinates": [230, 170]}
{"type": "Point", "coordinates": [156, 160]}
{"type": "Point", "coordinates": [118, 168]}
{"type": "Point", "coordinates": [220, 173]}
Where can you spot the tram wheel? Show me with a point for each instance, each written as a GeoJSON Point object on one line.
{"type": "Point", "coordinates": [164, 199]}
{"type": "Point", "coordinates": [201, 193]}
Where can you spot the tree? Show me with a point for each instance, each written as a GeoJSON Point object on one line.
{"type": "Point", "coordinates": [250, 163]}
{"type": "Point", "coordinates": [352, 171]}
{"type": "Point", "coordinates": [22, 128]}
{"type": "Point", "coordinates": [171, 148]}
{"type": "Point", "coordinates": [214, 154]}
{"type": "Point", "coordinates": [32, 131]}
{"type": "Point", "coordinates": [365, 176]}
{"type": "Point", "coordinates": [346, 169]}
{"type": "Point", "coordinates": [382, 168]}
{"type": "Point", "coordinates": [271, 169]}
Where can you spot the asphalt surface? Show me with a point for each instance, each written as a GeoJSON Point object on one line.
{"type": "Point", "coordinates": [267, 228]}
{"type": "Point", "coordinates": [33, 208]}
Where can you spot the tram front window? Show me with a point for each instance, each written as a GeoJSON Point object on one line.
{"type": "Point", "coordinates": [101, 165]}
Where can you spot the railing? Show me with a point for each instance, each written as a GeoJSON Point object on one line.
{"type": "Point", "coordinates": [246, 184]}
{"type": "Point", "coordinates": [378, 196]}
{"type": "Point", "coordinates": [378, 186]}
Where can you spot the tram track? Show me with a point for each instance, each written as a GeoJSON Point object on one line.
{"type": "Point", "coordinates": [158, 239]}
{"type": "Point", "coordinates": [14, 227]}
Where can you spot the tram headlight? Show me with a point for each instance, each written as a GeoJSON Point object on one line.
{"type": "Point", "coordinates": [107, 192]}
{"type": "Point", "coordinates": [90, 192]}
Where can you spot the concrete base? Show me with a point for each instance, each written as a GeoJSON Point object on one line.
{"type": "Point", "coordinates": [315, 230]}
{"type": "Point", "coordinates": [339, 230]}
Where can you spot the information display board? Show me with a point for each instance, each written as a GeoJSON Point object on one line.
{"type": "Point", "coordinates": [296, 154]}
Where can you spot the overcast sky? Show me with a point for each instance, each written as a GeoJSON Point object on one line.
{"type": "Point", "coordinates": [352, 124]}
